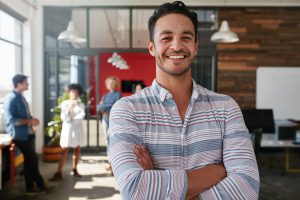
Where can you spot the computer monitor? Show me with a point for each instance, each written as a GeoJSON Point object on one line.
{"type": "Point", "coordinates": [259, 119]}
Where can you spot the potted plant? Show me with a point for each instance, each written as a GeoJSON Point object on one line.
{"type": "Point", "coordinates": [52, 149]}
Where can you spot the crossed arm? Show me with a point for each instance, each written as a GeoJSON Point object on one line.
{"type": "Point", "coordinates": [199, 180]}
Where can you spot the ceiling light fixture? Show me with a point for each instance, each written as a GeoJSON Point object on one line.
{"type": "Point", "coordinates": [224, 35]}
{"type": "Point", "coordinates": [118, 61]}
{"type": "Point", "coordinates": [71, 35]}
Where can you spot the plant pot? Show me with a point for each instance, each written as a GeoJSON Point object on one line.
{"type": "Point", "coordinates": [52, 154]}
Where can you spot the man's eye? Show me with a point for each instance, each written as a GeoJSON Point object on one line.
{"type": "Point", "coordinates": [166, 39]}
{"type": "Point", "coordinates": [187, 38]}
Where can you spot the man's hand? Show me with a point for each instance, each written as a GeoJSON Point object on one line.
{"type": "Point", "coordinates": [203, 178]}
{"type": "Point", "coordinates": [34, 122]}
{"type": "Point", "coordinates": [143, 157]}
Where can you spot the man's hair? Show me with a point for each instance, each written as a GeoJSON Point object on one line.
{"type": "Point", "coordinates": [176, 7]}
{"type": "Point", "coordinates": [75, 86]}
{"type": "Point", "coordinates": [18, 78]}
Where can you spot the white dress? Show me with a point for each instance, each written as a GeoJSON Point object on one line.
{"type": "Point", "coordinates": [72, 134]}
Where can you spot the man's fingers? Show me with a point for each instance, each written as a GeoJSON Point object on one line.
{"type": "Point", "coordinates": [143, 157]}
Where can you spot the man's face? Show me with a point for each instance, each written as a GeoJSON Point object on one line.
{"type": "Point", "coordinates": [23, 86]}
{"type": "Point", "coordinates": [174, 45]}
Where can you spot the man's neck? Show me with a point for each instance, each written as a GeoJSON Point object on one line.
{"type": "Point", "coordinates": [18, 90]}
{"type": "Point", "coordinates": [177, 85]}
{"type": "Point", "coordinates": [181, 90]}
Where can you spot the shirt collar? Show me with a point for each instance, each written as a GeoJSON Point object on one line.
{"type": "Point", "coordinates": [164, 94]}
{"type": "Point", "coordinates": [17, 93]}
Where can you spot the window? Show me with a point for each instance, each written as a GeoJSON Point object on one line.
{"type": "Point", "coordinates": [109, 28]}
{"type": "Point", "coordinates": [10, 51]}
{"type": "Point", "coordinates": [140, 35]}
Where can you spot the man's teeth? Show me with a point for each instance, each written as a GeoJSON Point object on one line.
{"type": "Point", "coordinates": [176, 57]}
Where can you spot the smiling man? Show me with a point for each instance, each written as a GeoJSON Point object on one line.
{"type": "Point", "coordinates": [176, 139]}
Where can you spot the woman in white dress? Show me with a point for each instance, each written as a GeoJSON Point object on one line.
{"type": "Point", "coordinates": [72, 114]}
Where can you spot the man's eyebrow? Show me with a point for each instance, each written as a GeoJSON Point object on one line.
{"type": "Point", "coordinates": [165, 32]}
{"type": "Point", "coordinates": [188, 33]}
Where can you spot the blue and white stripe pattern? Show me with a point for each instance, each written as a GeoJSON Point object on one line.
{"type": "Point", "coordinates": [213, 131]}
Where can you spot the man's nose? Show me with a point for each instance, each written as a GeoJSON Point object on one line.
{"type": "Point", "coordinates": [176, 44]}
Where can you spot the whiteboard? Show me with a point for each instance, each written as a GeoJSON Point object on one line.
{"type": "Point", "coordinates": [279, 88]}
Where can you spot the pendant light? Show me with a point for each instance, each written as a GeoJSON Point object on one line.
{"type": "Point", "coordinates": [224, 35]}
{"type": "Point", "coordinates": [117, 61]}
{"type": "Point", "coordinates": [71, 34]}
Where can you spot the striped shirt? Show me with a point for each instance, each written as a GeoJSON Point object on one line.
{"type": "Point", "coordinates": [213, 131]}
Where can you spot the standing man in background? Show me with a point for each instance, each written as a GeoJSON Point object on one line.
{"type": "Point", "coordinates": [19, 122]}
{"type": "Point", "coordinates": [176, 139]}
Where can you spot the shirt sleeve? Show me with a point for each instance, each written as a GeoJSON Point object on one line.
{"type": "Point", "coordinates": [81, 113]}
{"type": "Point", "coordinates": [242, 181]}
{"type": "Point", "coordinates": [11, 112]}
{"type": "Point", "coordinates": [133, 181]}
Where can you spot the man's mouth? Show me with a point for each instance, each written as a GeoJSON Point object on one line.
{"type": "Point", "coordinates": [176, 56]}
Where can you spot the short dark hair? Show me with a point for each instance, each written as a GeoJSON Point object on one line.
{"type": "Point", "coordinates": [168, 8]}
{"type": "Point", "coordinates": [18, 78]}
{"type": "Point", "coordinates": [75, 86]}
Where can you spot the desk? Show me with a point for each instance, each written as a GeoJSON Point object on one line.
{"type": "Point", "coordinates": [271, 141]}
{"type": "Point", "coordinates": [5, 140]}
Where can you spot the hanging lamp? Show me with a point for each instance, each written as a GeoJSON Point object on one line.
{"type": "Point", "coordinates": [71, 35]}
{"type": "Point", "coordinates": [117, 61]}
{"type": "Point", "coordinates": [224, 35]}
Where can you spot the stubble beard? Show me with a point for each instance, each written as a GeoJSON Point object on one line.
{"type": "Point", "coordinates": [160, 62]}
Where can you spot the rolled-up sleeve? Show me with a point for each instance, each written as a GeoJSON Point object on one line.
{"type": "Point", "coordinates": [133, 181]}
{"type": "Point", "coordinates": [242, 181]}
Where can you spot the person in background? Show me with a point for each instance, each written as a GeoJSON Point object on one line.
{"type": "Point", "coordinates": [19, 124]}
{"type": "Point", "coordinates": [139, 87]}
{"type": "Point", "coordinates": [176, 139]}
{"type": "Point", "coordinates": [105, 105]}
{"type": "Point", "coordinates": [72, 134]}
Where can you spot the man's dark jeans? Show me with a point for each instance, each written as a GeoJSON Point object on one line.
{"type": "Point", "coordinates": [31, 169]}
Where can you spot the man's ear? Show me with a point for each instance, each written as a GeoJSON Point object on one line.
{"type": "Point", "coordinates": [197, 47]}
{"type": "Point", "coordinates": [151, 48]}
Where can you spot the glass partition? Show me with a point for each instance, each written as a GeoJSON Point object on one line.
{"type": "Point", "coordinates": [140, 35]}
{"type": "Point", "coordinates": [109, 28]}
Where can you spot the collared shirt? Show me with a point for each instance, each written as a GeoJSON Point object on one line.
{"type": "Point", "coordinates": [15, 109]}
{"type": "Point", "coordinates": [213, 131]}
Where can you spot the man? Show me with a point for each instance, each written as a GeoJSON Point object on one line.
{"type": "Point", "coordinates": [176, 139]}
{"type": "Point", "coordinates": [19, 122]}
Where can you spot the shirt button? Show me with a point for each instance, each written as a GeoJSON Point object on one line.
{"type": "Point", "coordinates": [174, 108]}
{"type": "Point", "coordinates": [169, 96]}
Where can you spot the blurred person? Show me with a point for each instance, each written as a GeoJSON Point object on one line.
{"type": "Point", "coordinates": [105, 105]}
{"type": "Point", "coordinates": [139, 87]}
{"type": "Point", "coordinates": [176, 139]}
{"type": "Point", "coordinates": [72, 134]}
{"type": "Point", "coordinates": [19, 125]}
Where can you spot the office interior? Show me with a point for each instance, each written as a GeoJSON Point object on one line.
{"type": "Point", "coordinates": [247, 70]}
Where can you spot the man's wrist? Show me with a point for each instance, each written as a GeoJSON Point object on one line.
{"type": "Point", "coordinates": [204, 178]}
